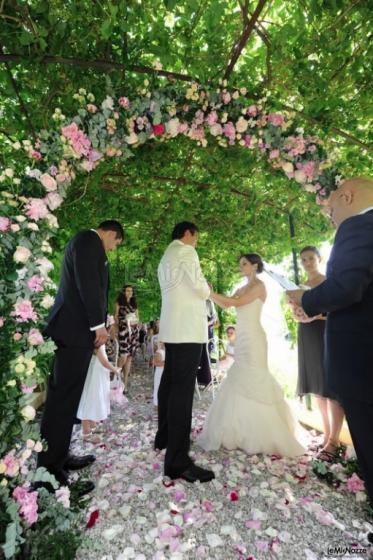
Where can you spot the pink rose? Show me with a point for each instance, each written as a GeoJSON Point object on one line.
{"type": "Point", "coordinates": [36, 209]}
{"type": "Point", "coordinates": [35, 337]}
{"type": "Point", "coordinates": [17, 336]}
{"type": "Point", "coordinates": [35, 283]}
{"type": "Point", "coordinates": [229, 131]}
{"type": "Point", "coordinates": [21, 254]}
{"type": "Point", "coordinates": [273, 154]}
{"type": "Point", "coordinates": [48, 182]}
{"type": "Point", "coordinates": [252, 111]}
{"type": "Point", "coordinates": [158, 129]}
{"type": "Point", "coordinates": [183, 127]}
{"type": "Point", "coordinates": [212, 118]}
{"type": "Point", "coordinates": [4, 224]}
{"type": "Point", "coordinates": [34, 154]}
{"type": "Point", "coordinates": [276, 119]}
{"type": "Point", "coordinates": [226, 97]}
{"type": "Point", "coordinates": [61, 178]}
{"type": "Point", "coordinates": [91, 108]}
{"type": "Point", "coordinates": [355, 484]}
{"type": "Point", "coordinates": [124, 102]}
{"type": "Point", "coordinates": [11, 463]}
{"type": "Point", "coordinates": [26, 389]}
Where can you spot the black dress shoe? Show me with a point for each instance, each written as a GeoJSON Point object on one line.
{"type": "Point", "coordinates": [60, 475]}
{"type": "Point", "coordinates": [74, 463]}
{"type": "Point", "coordinates": [192, 474]}
{"type": "Point", "coordinates": [370, 538]}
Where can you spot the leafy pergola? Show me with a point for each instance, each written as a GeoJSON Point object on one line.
{"type": "Point", "coordinates": [310, 57]}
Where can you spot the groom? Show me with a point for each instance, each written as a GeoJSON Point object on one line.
{"type": "Point", "coordinates": [347, 297]}
{"type": "Point", "coordinates": [77, 324]}
{"type": "Point", "coordinates": [183, 329]}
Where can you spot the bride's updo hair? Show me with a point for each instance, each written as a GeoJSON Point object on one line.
{"type": "Point", "coordinates": [254, 258]}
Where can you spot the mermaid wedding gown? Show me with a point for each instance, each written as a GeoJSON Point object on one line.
{"type": "Point", "coordinates": [250, 411]}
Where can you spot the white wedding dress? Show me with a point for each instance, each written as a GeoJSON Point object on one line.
{"type": "Point", "coordinates": [250, 411]}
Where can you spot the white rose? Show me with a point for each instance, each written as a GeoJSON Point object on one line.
{"type": "Point", "coordinates": [22, 254]}
{"type": "Point", "coordinates": [236, 95]}
{"type": "Point", "coordinates": [38, 447]}
{"type": "Point", "coordinates": [241, 125]}
{"type": "Point", "coordinates": [47, 302]}
{"type": "Point", "coordinates": [30, 444]}
{"type": "Point", "coordinates": [20, 219]}
{"type": "Point", "coordinates": [15, 228]}
{"type": "Point", "coordinates": [172, 127]}
{"type": "Point", "coordinates": [288, 167]}
{"type": "Point", "coordinates": [16, 146]}
{"type": "Point", "coordinates": [108, 103]}
{"type": "Point", "coordinates": [33, 226]}
{"type": "Point", "coordinates": [12, 383]}
{"type": "Point", "coordinates": [28, 412]}
{"type": "Point", "coordinates": [9, 172]}
{"type": "Point", "coordinates": [300, 176]}
{"type": "Point", "coordinates": [26, 454]}
{"type": "Point", "coordinates": [132, 138]}
{"type": "Point", "coordinates": [17, 181]}
{"type": "Point", "coordinates": [216, 129]}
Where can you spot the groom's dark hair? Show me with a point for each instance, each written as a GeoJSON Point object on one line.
{"type": "Point", "coordinates": [179, 230]}
{"type": "Point", "coordinates": [112, 225]}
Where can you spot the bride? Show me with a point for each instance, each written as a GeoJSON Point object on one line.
{"type": "Point", "coordinates": [250, 411]}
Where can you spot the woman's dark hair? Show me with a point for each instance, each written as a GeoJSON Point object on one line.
{"type": "Point", "coordinates": [153, 325]}
{"type": "Point", "coordinates": [112, 225]}
{"type": "Point", "coordinates": [230, 327]}
{"type": "Point", "coordinates": [179, 230]}
{"type": "Point", "coordinates": [254, 258]}
{"type": "Point", "coordinates": [312, 249]}
{"type": "Point", "coordinates": [122, 300]}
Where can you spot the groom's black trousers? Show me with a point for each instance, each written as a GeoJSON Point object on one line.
{"type": "Point", "coordinates": [359, 416]}
{"type": "Point", "coordinates": [65, 388]}
{"type": "Point", "coordinates": [175, 403]}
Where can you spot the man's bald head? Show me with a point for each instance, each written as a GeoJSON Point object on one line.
{"type": "Point", "coordinates": [351, 197]}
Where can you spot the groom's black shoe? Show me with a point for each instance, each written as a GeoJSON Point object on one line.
{"type": "Point", "coordinates": [74, 463]}
{"type": "Point", "coordinates": [192, 474]}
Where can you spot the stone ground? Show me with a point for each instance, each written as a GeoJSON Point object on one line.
{"type": "Point", "coordinates": [258, 507]}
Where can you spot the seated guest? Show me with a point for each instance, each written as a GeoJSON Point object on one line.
{"type": "Point", "coordinates": [158, 362]}
{"type": "Point", "coordinates": [311, 372]}
{"type": "Point", "coordinates": [228, 358]}
{"type": "Point", "coordinates": [94, 403]}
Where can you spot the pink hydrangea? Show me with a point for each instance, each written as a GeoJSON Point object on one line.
{"type": "Point", "coordinates": [295, 145]}
{"type": "Point", "coordinates": [197, 133]}
{"type": "Point", "coordinates": [4, 223]}
{"type": "Point", "coordinates": [229, 131]}
{"type": "Point", "coordinates": [26, 389]}
{"type": "Point", "coordinates": [79, 140]}
{"type": "Point", "coordinates": [212, 118]}
{"type": "Point", "coordinates": [35, 337]}
{"type": "Point", "coordinates": [28, 502]}
{"type": "Point", "coordinates": [35, 283]}
{"type": "Point", "coordinates": [355, 484]}
{"type": "Point", "coordinates": [276, 119]}
{"type": "Point", "coordinates": [36, 209]}
{"type": "Point", "coordinates": [12, 464]}
{"type": "Point", "coordinates": [23, 311]}
{"type": "Point", "coordinates": [124, 102]}
{"type": "Point", "coordinates": [308, 169]}
{"type": "Point", "coordinates": [54, 200]}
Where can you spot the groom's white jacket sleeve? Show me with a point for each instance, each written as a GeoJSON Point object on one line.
{"type": "Point", "coordinates": [191, 268]}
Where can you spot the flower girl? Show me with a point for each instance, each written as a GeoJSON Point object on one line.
{"type": "Point", "coordinates": [94, 403]}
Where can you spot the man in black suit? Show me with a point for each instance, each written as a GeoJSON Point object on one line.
{"type": "Point", "coordinates": [347, 297]}
{"type": "Point", "coordinates": [77, 324]}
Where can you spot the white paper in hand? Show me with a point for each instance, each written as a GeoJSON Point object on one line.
{"type": "Point", "coordinates": [284, 282]}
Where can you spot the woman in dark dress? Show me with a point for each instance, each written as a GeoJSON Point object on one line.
{"type": "Point", "coordinates": [127, 321]}
{"type": "Point", "coordinates": [311, 375]}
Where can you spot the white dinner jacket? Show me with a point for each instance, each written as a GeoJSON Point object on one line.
{"type": "Point", "coordinates": [184, 292]}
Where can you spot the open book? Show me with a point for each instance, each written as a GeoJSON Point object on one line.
{"type": "Point", "coordinates": [284, 282]}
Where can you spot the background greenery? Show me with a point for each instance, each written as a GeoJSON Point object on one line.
{"type": "Point", "coordinates": [313, 56]}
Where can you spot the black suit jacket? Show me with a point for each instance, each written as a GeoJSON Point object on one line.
{"type": "Point", "coordinates": [81, 301]}
{"type": "Point", "coordinates": [347, 296]}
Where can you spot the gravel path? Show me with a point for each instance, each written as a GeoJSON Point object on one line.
{"type": "Point", "coordinates": [258, 507]}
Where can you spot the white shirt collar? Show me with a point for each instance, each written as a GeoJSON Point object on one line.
{"type": "Point", "coordinates": [91, 229]}
{"type": "Point", "coordinates": [366, 210]}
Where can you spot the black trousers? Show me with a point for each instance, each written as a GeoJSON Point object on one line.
{"type": "Point", "coordinates": [65, 388]}
{"type": "Point", "coordinates": [175, 403]}
{"type": "Point", "coordinates": [359, 417]}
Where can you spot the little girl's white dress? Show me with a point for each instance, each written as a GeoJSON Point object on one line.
{"type": "Point", "coordinates": [95, 400]}
{"type": "Point", "coordinates": [157, 376]}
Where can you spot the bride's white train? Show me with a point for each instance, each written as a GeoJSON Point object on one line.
{"type": "Point", "coordinates": [250, 411]}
